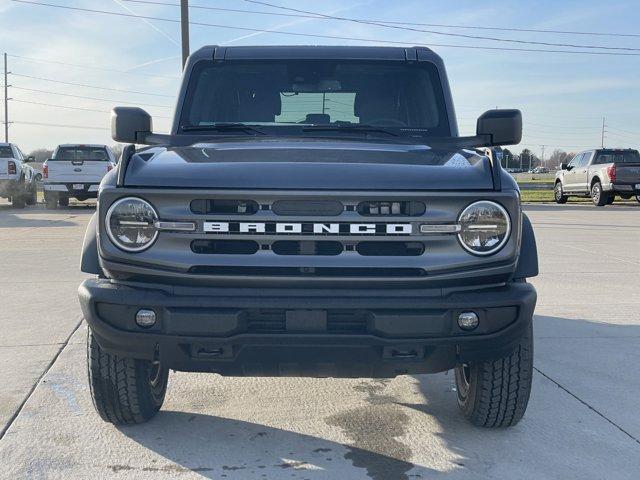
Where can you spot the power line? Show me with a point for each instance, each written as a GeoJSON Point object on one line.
{"type": "Point", "coordinates": [624, 131]}
{"type": "Point", "coordinates": [89, 98]}
{"type": "Point", "coordinates": [59, 106]}
{"type": "Point", "coordinates": [469, 27]}
{"type": "Point", "coordinates": [90, 67]}
{"type": "Point", "coordinates": [436, 32]}
{"type": "Point", "coordinates": [18, 122]}
{"type": "Point", "coordinates": [90, 86]}
{"type": "Point", "coordinates": [333, 37]}
{"type": "Point", "coordinates": [70, 108]}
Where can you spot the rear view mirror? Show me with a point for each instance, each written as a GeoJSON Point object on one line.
{"type": "Point", "coordinates": [130, 124]}
{"type": "Point", "coordinates": [503, 126]}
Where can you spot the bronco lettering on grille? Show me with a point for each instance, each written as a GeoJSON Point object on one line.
{"type": "Point", "coordinates": [308, 228]}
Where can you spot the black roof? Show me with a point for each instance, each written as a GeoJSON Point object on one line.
{"type": "Point", "coordinates": [310, 52]}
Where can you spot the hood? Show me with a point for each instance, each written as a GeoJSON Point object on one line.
{"type": "Point", "coordinates": [316, 164]}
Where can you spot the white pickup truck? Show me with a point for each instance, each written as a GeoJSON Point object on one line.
{"type": "Point", "coordinates": [17, 178]}
{"type": "Point", "coordinates": [75, 171]}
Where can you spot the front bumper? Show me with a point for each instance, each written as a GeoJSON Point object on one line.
{"type": "Point", "coordinates": [306, 332]}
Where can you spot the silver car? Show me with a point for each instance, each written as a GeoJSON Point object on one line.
{"type": "Point", "coordinates": [600, 174]}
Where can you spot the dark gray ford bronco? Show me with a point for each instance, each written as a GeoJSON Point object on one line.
{"type": "Point", "coordinates": [313, 212]}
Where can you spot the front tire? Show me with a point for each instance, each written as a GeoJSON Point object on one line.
{"type": "Point", "coordinates": [598, 197]}
{"type": "Point", "coordinates": [558, 194]}
{"type": "Point", "coordinates": [18, 200]}
{"type": "Point", "coordinates": [124, 390]}
{"type": "Point", "coordinates": [50, 200]}
{"type": "Point", "coordinates": [32, 198]}
{"type": "Point", "coordinates": [495, 394]}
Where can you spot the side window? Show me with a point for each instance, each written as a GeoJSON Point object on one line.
{"type": "Point", "coordinates": [576, 160]}
{"type": "Point", "coordinates": [586, 156]}
{"type": "Point", "coordinates": [17, 154]}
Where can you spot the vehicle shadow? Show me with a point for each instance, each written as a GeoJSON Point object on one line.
{"type": "Point", "coordinates": [37, 216]}
{"type": "Point", "coordinates": [387, 434]}
{"type": "Point", "coordinates": [217, 447]}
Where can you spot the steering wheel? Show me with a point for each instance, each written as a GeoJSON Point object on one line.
{"type": "Point", "coordinates": [386, 122]}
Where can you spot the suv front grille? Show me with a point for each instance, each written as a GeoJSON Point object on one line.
{"type": "Point", "coordinates": [338, 321]}
{"type": "Point", "coordinates": [336, 272]}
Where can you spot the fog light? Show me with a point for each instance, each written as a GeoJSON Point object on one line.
{"type": "Point", "coordinates": [146, 318]}
{"type": "Point", "coordinates": [468, 320]}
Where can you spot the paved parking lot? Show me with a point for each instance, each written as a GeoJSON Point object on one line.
{"type": "Point", "coordinates": [583, 421]}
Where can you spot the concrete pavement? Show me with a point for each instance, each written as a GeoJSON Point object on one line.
{"type": "Point", "coordinates": [583, 420]}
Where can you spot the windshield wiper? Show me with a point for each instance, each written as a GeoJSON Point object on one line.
{"type": "Point", "coordinates": [223, 127]}
{"type": "Point", "coordinates": [348, 128]}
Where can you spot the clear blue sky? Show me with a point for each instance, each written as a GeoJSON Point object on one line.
{"type": "Point", "coordinates": [563, 96]}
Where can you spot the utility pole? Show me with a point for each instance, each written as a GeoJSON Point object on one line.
{"type": "Point", "coordinates": [184, 24]}
{"type": "Point", "coordinates": [6, 100]}
{"type": "Point", "coordinates": [603, 132]}
{"type": "Point", "coordinates": [542, 160]}
{"type": "Point", "coordinates": [324, 100]}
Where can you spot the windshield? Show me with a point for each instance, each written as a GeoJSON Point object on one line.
{"type": "Point", "coordinates": [82, 153]}
{"type": "Point", "coordinates": [394, 95]}
{"type": "Point", "coordinates": [621, 156]}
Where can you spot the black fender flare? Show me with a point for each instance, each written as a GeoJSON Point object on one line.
{"type": "Point", "coordinates": [89, 262]}
{"type": "Point", "coordinates": [528, 261]}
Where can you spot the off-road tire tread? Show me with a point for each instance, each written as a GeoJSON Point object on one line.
{"type": "Point", "coordinates": [119, 388]}
{"type": "Point", "coordinates": [503, 388]}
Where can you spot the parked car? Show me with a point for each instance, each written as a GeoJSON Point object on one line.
{"type": "Point", "coordinates": [17, 178]}
{"type": "Point", "coordinates": [365, 243]}
{"type": "Point", "coordinates": [600, 174]}
{"type": "Point", "coordinates": [75, 171]}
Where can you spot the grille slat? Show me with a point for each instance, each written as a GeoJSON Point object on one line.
{"type": "Point", "coordinates": [335, 272]}
{"type": "Point", "coordinates": [338, 322]}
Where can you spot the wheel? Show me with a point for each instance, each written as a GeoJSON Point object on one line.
{"type": "Point", "coordinates": [18, 201]}
{"type": "Point", "coordinates": [638, 198]}
{"type": "Point", "coordinates": [626, 197]}
{"type": "Point", "coordinates": [50, 200]}
{"type": "Point", "coordinates": [63, 201]}
{"type": "Point", "coordinates": [558, 195]}
{"type": "Point", "coordinates": [598, 197]}
{"type": "Point", "coordinates": [495, 394]}
{"type": "Point", "coordinates": [124, 390]}
{"type": "Point", "coordinates": [32, 198]}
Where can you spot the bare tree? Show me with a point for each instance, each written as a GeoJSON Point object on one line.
{"type": "Point", "coordinates": [41, 154]}
{"type": "Point", "coordinates": [559, 156]}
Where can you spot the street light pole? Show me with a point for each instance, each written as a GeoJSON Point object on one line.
{"type": "Point", "coordinates": [6, 100]}
{"type": "Point", "coordinates": [184, 24]}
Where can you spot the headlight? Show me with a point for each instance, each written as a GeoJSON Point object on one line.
{"type": "Point", "coordinates": [130, 224]}
{"type": "Point", "coordinates": [484, 227]}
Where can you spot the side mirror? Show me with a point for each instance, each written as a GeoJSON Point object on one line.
{"type": "Point", "coordinates": [30, 158]}
{"type": "Point", "coordinates": [503, 126]}
{"type": "Point", "coordinates": [130, 124]}
{"type": "Point", "coordinates": [563, 166]}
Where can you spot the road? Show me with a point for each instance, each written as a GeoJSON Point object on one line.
{"type": "Point", "coordinates": [583, 420]}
